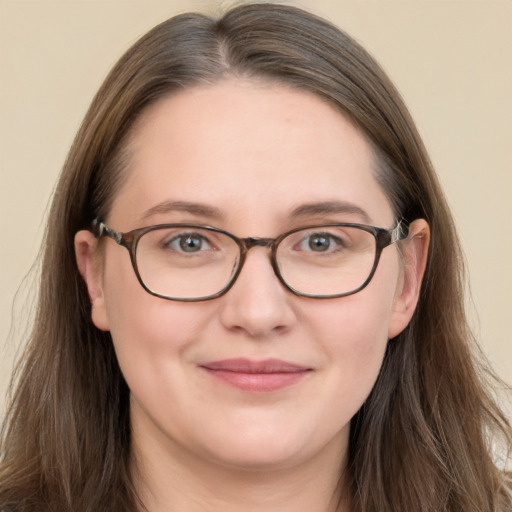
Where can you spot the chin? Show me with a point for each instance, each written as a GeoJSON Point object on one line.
{"type": "Point", "coordinates": [274, 449]}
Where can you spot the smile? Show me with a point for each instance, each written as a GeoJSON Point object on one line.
{"type": "Point", "coordinates": [256, 376]}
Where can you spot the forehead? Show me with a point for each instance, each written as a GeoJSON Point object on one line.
{"type": "Point", "coordinates": [251, 150]}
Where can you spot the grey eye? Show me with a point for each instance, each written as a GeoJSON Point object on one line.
{"type": "Point", "coordinates": [320, 242]}
{"type": "Point", "coordinates": [188, 242]}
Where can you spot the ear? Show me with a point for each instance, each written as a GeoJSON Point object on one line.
{"type": "Point", "coordinates": [414, 261]}
{"type": "Point", "coordinates": [89, 263]}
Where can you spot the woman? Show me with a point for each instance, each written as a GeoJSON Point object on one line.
{"type": "Point", "coordinates": [251, 295]}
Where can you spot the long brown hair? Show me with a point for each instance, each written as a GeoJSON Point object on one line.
{"type": "Point", "coordinates": [423, 440]}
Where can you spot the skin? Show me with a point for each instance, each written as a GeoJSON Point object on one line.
{"type": "Point", "coordinates": [254, 152]}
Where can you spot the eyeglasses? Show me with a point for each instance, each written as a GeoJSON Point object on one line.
{"type": "Point", "coordinates": [188, 262]}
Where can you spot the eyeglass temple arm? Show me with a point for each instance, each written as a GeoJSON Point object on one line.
{"type": "Point", "coordinates": [100, 230]}
{"type": "Point", "coordinates": [400, 231]}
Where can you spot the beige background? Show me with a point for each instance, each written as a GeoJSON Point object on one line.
{"type": "Point", "coordinates": [452, 61]}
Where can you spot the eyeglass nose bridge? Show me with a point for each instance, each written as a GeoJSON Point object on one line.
{"type": "Point", "coordinates": [250, 242]}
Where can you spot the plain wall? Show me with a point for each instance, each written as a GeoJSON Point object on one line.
{"type": "Point", "coordinates": [451, 60]}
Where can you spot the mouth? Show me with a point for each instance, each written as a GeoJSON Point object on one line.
{"type": "Point", "coordinates": [256, 376]}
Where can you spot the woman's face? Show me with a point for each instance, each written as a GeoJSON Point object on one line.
{"type": "Point", "coordinates": [256, 160]}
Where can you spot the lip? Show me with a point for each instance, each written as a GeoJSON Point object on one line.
{"type": "Point", "coordinates": [256, 376]}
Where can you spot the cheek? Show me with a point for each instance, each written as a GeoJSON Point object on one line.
{"type": "Point", "coordinates": [145, 329]}
{"type": "Point", "coordinates": [355, 348]}
{"type": "Point", "coordinates": [150, 334]}
{"type": "Point", "coordinates": [353, 332]}
{"type": "Point", "coordinates": [357, 321]}
{"type": "Point", "coordinates": [355, 339]}
{"type": "Point", "coordinates": [154, 342]}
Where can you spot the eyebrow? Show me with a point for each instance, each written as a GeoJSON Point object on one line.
{"type": "Point", "coordinates": [329, 207]}
{"type": "Point", "coordinates": [304, 210]}
{"type": "Point", "coordinates": [199, 209]}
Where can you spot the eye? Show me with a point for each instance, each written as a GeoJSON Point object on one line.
{"type": "Point", "coordinates": [321, 242]}
{"type": "Point", "coordinates": [189, 242]}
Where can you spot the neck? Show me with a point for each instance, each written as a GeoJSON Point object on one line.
{"type": "Point", "coordinates": [173, 480]}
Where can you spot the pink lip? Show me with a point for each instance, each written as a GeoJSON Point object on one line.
{"type": "Point", "coordinates": [256, 376]}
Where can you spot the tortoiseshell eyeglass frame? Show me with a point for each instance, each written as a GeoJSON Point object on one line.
{"type": "Point", "coordinates": [129, 240]}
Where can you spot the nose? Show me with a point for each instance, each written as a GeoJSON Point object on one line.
{"type": "Point", "coordinates": [258, 304]}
